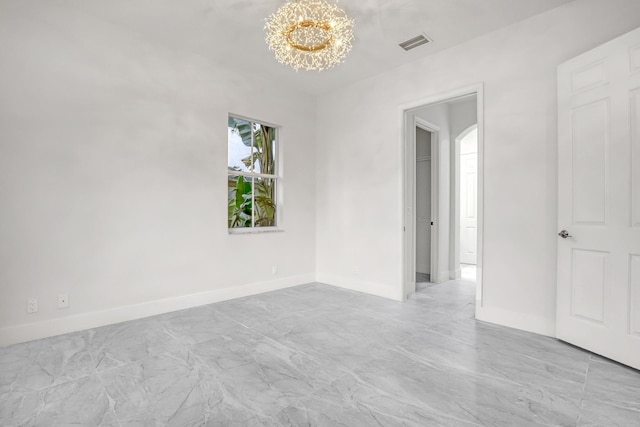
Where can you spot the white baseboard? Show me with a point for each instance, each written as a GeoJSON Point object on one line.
{"type": "Point", "coordinates": [511, 319]}
{"type": "Point", "coordinates": [363, 286]}
{"type": "Point", "coordinates": [456, 274]}
{"type": "Point", "coordinates": [62, 325]}
{"type": "Point", "coordinates": [443, 276]}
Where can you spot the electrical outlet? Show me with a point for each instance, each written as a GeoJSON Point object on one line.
{"type": "Point", "coordinates": [32, 305]}
{"type": "Point", "coordinates": [63, 300]}
{"type": "Point", "coordinates": [274, 270]}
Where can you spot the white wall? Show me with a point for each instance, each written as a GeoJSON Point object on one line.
{"type": "Point", "coordinates": [463, 115]}
{"type": "Point", "coordinates": [360, 129]}
{"type": "Point", "coordinates": [113, 176]}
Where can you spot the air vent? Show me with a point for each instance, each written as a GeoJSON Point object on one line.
{"type": "Point", "coordinates": [415, 42]}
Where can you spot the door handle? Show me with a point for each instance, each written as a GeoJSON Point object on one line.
{"type": "Point", "coordinates": [564, 234]}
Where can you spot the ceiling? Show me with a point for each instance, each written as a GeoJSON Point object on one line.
{"type": "Point", "coordinates": [232, 31]}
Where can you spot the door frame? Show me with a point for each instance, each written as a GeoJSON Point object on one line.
{"type": "Point", "coordinates": [407, 208]}
{"type": "Point", "coordinates": [434, 131]}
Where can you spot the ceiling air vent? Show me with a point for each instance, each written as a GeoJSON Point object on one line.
{"type": "Point", "coordinates": [415, 42]}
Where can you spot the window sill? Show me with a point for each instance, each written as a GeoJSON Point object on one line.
{"type": "Point", "coordinates": [257, 230]}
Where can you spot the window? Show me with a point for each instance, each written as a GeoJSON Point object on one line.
{"type": "Point", "coordinates": [252, 174]}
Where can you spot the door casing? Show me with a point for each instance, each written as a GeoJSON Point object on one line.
{"type": "Point", "coordinates": [407, 282]}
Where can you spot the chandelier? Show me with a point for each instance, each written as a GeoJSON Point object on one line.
{"type": "Point", "coordinates": [309, 34]}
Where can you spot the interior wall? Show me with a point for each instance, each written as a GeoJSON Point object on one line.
{"type": "Point", "coordinates": [113, 183]}
{"type": "Point", "coordinates": [517, 66]}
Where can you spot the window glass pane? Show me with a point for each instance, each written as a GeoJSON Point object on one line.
{"type": "Point", "coordinates": [239, 197]}
{"type": "Point", "coordinates": [265, 202]}
{"type": "Point", "coordinates": [265, 149]}
{"type": "Point", "coordinates": [239, 145]}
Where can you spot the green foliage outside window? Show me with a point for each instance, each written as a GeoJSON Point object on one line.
{"type": "Point", "coordinates": [252, 188]}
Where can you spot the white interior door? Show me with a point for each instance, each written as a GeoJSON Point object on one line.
{"type": "Point", "coordinates": [598, 300]}
{"type": "Point", "coordinates": [423, 215]}
{"type": "Point", "coordinates": [468, 199]}
{"type": "Point", "coordinates": [423, 201]}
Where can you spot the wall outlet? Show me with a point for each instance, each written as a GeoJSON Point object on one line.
{"type": "Point", "coordinates": [63, 300]}
{"type": "Point", "coordinates": [274, 270]}
{"type": "Point", "coordinates": [32, 305]}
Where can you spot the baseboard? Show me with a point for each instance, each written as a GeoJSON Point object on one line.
{"type": "Point", "coordinates": [444, 276]}
{"type": "Point", "coordinates": [363, 286]}
{"type": "Point", "coordinates": [62, 325]}
{"type": "Point", "coordinates": [511, 319]}
{"type": "Point", "coordinates": [456, 274]}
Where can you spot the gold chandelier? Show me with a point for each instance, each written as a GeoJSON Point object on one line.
{"type": "Point", "coordinates": [309, 34]}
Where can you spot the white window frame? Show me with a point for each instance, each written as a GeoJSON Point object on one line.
{"type": "Point", "coordinates": [276, 177]}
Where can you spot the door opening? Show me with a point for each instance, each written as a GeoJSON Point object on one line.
{"type": "Point", "coordinates": [423, 138]}
{"type": "Point", "coordinates": [455, 239]}
{"type": "Point", "coordinates": [468, 179]}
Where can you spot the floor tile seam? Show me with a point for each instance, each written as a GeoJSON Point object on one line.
{"type": "Point", "coordinates": [617, 406]}
{"type": "Point", "coordinates": [586, 375]}
{"type": "Point", "coordinates": [559, 367]}
{"type": "Point", "coordinates": [456, 368]}
{"type": "Point", "coordinates": [603, 361]}
{"type": "Point", "coordinates": [451, 337]}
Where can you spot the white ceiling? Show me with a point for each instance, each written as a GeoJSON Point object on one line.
{"type": "Point", "coordinates": [231, 31]}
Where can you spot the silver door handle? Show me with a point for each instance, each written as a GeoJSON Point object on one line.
{"type": "Point", "coordinates": [564, 234]}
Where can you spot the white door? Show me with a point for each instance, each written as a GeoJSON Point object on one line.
{"type": "Point", "coordinates": [598, 300]}
{"type": "Point", "coordinates": [423, 201]}
{"type": "Point", "coordinates": [423, 215]}
{"type": "Point", "coordinates": [468, 198]}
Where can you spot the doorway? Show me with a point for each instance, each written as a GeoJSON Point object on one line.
{"type": "Point", "coordinates": [447, 120]}
{"type": "Point", "coordinates": [424, 136]}
{"type": "Point", "coordinates": [468, 179]}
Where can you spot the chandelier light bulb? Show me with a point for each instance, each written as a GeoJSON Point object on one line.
{"type": "Point", "coordinates": [309, 34]}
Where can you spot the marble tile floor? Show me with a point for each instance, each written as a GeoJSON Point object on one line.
{"type": "Point", "coordinates": [468, 272]}
{"type": "Point", "coordinates": [315, 355]}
